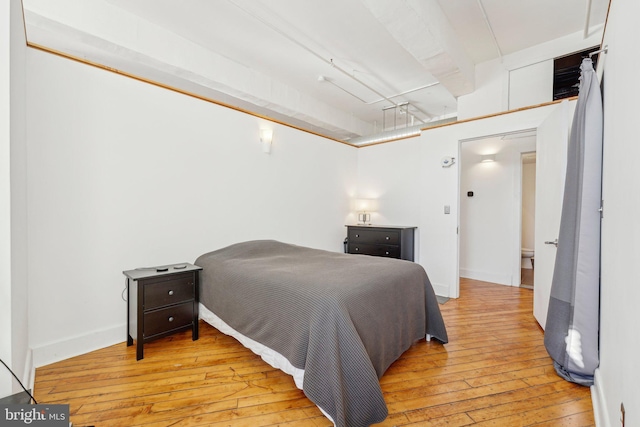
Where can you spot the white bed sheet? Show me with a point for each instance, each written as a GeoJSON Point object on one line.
{"type": "Point", "coordinates": [272, 357]}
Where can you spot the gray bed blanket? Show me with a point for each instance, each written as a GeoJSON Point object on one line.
{"type": "Point", "coordinates": [342, 318]}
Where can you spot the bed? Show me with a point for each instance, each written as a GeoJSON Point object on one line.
{"type": "Point", "coordinates": [334, 321]}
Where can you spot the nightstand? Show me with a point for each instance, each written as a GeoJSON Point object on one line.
{"type": "Point", "coordinates": [384, 241]}
{"type": "Point", "coordinates": [162, 300]}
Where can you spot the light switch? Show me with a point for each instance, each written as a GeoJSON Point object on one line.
{"type": "Point", "coordinates": [447, 209]}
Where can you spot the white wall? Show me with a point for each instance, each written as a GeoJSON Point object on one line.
{"type": "Point", "coordinates": [413, 188]}
{"type": "Point", "coordinates": [491, 94]}
{"type": "Point", "coordinates": [618, 378]}
{"type": "Point", "coordinates": [123, 174]}
{"type": "Point", "coordinates": [19, 226]}
{"type": "Point", "coordinates": [528, 205]}
{"type": "Point", "coordinates": [531, 85]}
{"type": "Point", "coordinates": [490, 221]}
{"type": "Point", "coordinates": [13, 237]}
{"type": "Point", "coordinates": [5, 196]}
{"type": "Point", "coordinates": [528, 73]}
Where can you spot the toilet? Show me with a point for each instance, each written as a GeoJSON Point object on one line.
{"type": "Point", "coordinates": [527, 258]}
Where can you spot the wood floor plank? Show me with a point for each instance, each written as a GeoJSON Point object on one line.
{"type": "Point", "coordinates": [467, 406]}
{"type": "Point", "coordinates": [575, 420]}
{"type": "Point", "coordinates": [494, 372]}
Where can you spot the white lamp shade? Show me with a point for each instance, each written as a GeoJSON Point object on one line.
{"type": "Point", "coordinates": [365, 205]}
{"type": "Point", "coordinates": [266, 136]}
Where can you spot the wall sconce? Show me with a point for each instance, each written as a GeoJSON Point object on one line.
{"type": "Point", "coordinates": [488, 158]}
{"type": "Point", "coordinates": [266, 136]}
{"type": "Point", "coordinates": [364, 207]}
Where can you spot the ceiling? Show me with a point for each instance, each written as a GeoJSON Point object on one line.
{"type": "Point", "coordinates": [474, 149]}
{"type": "Point", "coordinates": [344, 69]}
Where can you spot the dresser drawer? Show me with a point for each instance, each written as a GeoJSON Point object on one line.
{"type": "Point", "coordinates": [376, 237]}
{"type": "Point", "coordinates": [376, 250]}
{"type": "Point", "coordinates": [171, 290]}
{"type": "Point", "coordinates": [389, 241]}
{"type": "Point", "coordinates": [167, 319]}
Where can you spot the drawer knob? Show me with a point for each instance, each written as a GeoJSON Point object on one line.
{"type": "Point", "coordinates": [357, 249]}
{"type": "Point", "coordinates": [357, 235]}
{"type": "Point", "coordinates": [387, 238]}
{"type": "Point", "coordinates": [170, 292]}
{"type": "Point", "coordinates": [170, 318]}
{"type": "Point", "coordinates": [386, 253]}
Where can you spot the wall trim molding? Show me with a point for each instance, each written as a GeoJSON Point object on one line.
{"type": "Point", "coordinates": [75, 346]}
{"type": "Point", "coordinates": [487, 116]}
{"type": "Point", "coordinates": [175, 89]}
{"type": "Point", "coordinates": [486, 276]}
{"type": "Point", "coordinates": [440, 289]}
{"type": "Point", "coordinates": [251, 113]}
{"type": "Point", "coordinates": [599, 401]}
{"type": "Point", "coordinates": [29, 374]}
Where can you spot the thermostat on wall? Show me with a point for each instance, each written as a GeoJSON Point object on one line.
{"type": "Point", "coordinates": [447, 161]}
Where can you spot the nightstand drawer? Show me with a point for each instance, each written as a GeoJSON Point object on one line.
{"type": "Point", "coordinates": [376, 250]}
{"type": "Point", "coordinates": [167, 319]}
{"type": "Point", "coordinates": [385, 237]}
{"type": "Point", "coordinates": [168, 290]}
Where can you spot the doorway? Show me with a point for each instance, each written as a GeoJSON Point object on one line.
{"type": "Point", "coordinates": [528, 200]}
{"type": "Point", "coordinates": [491, 206]}
{"type": "Point", "coordinates": [551, 137]}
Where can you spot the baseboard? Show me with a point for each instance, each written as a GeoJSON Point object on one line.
{"type": "Point", "coordinates": [600, 412]}
{"type": "Point", "coordinates": [29, 374]}
{"type": "Point", "coordinates": [484, 276]}
{"type": "Point", "coordinates": [75, 346]}
{"type": "Point", "coordinates": [21, 398]}
{"type": "Point", "coordinates": [439, 289]}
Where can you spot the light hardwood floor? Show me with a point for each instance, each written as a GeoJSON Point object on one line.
{"type": "Point", "coordinates": [494, 372]}
{"type": "Point", "coordinates": [526, 277]}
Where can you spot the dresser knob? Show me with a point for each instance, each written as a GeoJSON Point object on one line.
{"type": "Point", "coordinates": [357, 235]}
{"type": "Point", "coordinates": [357, 249]}
{"type": "Point", "coordinates": [170, 318]}
{"type": "Point", "coordinates": [387, 238]}
{"type": "Point", "coordinates": [386, 253]}
{"type": "Point", "coordinates": [170, 292]}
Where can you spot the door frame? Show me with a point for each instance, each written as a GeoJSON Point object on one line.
{"type": "Point", "coordinates": [522, 154]}
{"type": "Point", "coordinates": [516, 244]}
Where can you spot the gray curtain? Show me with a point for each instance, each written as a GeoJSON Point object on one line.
{"type": "Point", "coordinates": [572, 328]}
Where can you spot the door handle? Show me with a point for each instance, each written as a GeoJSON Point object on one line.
{"type": "Point", "coordinates": [554, 243]}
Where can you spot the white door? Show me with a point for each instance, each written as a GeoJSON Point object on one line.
{"type": "Point", "coordinates": [551, 164]}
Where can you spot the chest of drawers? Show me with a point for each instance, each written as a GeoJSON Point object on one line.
{"type": "Point", "coordinates": [162, 301]}
{"type": "Point", "coordinates": [385, 241]}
